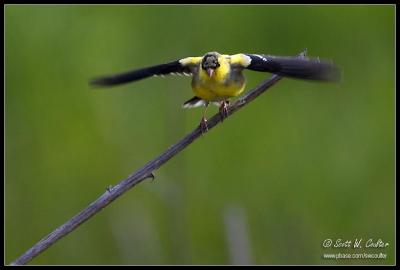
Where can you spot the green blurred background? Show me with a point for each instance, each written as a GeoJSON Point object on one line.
{"type": "Point", "coordinates": [303, 163]}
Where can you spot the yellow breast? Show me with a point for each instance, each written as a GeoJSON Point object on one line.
{"type": "Point", "coordinates": [225, 83]}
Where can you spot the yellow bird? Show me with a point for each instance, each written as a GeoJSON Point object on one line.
{"type": "Point", "coordinates": [218, 77]}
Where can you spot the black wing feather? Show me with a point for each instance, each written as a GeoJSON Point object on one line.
{"type": "Point", "coordinates": [138, 74]}
{"type": "Point", "coordinates": [300, 68]}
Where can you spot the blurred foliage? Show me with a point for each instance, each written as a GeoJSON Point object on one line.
{"type": "Point", "coordinates": [305, 162]}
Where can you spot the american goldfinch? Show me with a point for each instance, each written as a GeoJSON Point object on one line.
{"type": "Point", "coordinates": [218, 77]}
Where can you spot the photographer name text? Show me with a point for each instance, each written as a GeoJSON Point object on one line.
{"type": "Point", "coordinates": [354, 243]}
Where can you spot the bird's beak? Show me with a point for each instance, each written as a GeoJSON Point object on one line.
{"type": "Point", "coordinates": [210, 72]}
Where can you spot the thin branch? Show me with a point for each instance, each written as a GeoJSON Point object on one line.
{"type": "Point", "coordinates": [146, 171]}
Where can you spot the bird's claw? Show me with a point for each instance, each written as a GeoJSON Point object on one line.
{"type": "Point", "coordinates": [223, 110]}
{"type": "Point", "coordinates": [203, 125]}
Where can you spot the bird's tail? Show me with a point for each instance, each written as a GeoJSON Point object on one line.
{"type": "Point", "coordinates": [194, 102]}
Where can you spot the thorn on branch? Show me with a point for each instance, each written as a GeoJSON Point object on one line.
{"type": "Point", "coordinates": [151, 175]}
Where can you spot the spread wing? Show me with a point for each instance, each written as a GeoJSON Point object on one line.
{"type": "Point", "coordinates": [295, 67]}
{"type": "Point", "coordinates": [186, 66]}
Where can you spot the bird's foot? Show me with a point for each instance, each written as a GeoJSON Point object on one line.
{"type": "Point", "coordinates": [203, 125]}
{"type": "Point", "coordinates": [223, 110]}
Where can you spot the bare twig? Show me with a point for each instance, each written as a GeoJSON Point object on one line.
{"type": "Point", "coordinates": [145, 172]}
